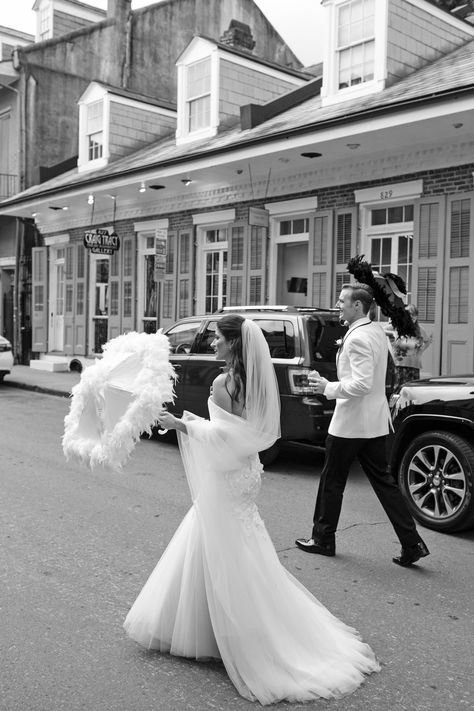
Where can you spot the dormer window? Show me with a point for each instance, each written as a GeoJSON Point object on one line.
{"type": "Point", "coordinates": [355, 63]}
{"type": "Point", "coordinates": [216, 78]}
{"type": "Point", "coordinates": [45, 22]}
{"type": "Point", "coordinates": [198, 95]}
{"type": "Point", "coordinates": [355, 42]}
{"type": "Point", "coordinates": [95, 130]}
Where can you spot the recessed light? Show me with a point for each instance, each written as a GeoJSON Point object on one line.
{"type": "Point", "coordinates": [142, 187]}
{"type": "Point", "coordinates": [186, 181]}
{"type": "Point", "coordinates": [157, 187]}
{"type": "Point", "coordinates": [458, 125]}
{"type": "Point", "coordinates": [53, 207]}
{"type": "Point", "coordinates": [311, 154]}
{"type": "Point", "coordinates": [353, 146]}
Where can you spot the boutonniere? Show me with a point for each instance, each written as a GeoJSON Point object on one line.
{"type": "Point", "coordinates": [338, 342]}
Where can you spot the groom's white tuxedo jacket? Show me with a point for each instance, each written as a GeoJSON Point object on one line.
{"type": "Point", "coordinates": [361, 408]}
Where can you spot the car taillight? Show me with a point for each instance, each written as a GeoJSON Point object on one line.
{"type": "Point", "coordinates": [5, 347]}
{"type": "Point", "coordinates": [299, 381]}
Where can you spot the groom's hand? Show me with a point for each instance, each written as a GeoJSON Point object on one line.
{"type": "Point", "coordinates": [317, 383]}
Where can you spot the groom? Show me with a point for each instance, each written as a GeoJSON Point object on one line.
{"type": "Point", "coordinates": [359, 428]}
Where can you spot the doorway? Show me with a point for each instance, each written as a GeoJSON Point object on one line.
{"type": "Point", "coordinates": [56, 324]}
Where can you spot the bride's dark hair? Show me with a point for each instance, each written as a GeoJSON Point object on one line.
{"type": "Point", "coordinates": [230, 326]}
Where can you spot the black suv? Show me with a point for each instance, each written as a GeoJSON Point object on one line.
{"type": "Point", "coordinates": [300, 339]}
{"type": "Point", "coordinates": [432, 450]}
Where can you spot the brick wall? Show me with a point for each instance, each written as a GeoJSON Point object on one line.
{"type": "Point", "coordinates": [416, 37]}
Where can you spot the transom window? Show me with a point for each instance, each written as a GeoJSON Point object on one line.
{"type": "Point", "coordinates": [198, 95]}
{"type": "Point", "coordinates": [95, 130]}
{"type": "Point", "coordinates": [294, 227]}
{"type": "Point", "coordinates": [219, 235]}
{"type": "Point", "coordinates": [355, 42]}
{"type": "Point", "coordinates": [391, 215]}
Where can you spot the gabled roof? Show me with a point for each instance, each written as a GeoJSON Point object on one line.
{"type": "Point", "coordinates": [132, 95]}
{"type": "Point", "coordinates": [448, 77]}
{"type": "Point", "coordinates": [249, 56]}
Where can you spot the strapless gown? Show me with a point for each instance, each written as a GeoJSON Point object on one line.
{"type": "Point", "coordinates": [219, 590]}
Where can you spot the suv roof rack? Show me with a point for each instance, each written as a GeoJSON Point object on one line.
{"type": "Point", "coordinates": [277, 307]}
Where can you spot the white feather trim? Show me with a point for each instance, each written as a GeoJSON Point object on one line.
{"type": "Point", "coordinates": [118, 398]}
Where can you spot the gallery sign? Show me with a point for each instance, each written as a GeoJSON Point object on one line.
{"type": "Point", "coordinates": [101, 242]}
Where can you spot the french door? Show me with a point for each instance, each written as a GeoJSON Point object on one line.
{"type": "Point", "coordinates": [215, 280]}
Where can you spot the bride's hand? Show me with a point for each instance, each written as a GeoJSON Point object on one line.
{"type": "Point", "coordinates": [167, 421]}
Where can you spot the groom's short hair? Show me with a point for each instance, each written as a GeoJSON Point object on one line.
{"type": "Point", "coordinates": [362, 293]}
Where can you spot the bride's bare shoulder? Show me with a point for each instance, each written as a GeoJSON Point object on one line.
{"type": "Point", "coordinates": [220, 393]}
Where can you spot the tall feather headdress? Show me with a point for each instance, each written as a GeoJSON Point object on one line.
{"type": "Point", "coordinates": [388, 293]}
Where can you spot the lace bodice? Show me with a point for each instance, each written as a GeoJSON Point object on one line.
{"type": "Point", "coordinates": [242, 488]}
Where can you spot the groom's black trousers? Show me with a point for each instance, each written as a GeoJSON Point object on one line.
{"type": "Point", "coordinates": [371, 453]}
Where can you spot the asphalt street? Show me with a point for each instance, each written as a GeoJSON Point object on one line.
{"type": "Point", "coordinates": [77, 547]}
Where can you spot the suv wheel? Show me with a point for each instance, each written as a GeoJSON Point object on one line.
{"type": "Point", "coordinates": [436, 478]}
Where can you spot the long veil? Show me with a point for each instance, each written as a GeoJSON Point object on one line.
{"type": "Point", "coordinates": [262, 400]}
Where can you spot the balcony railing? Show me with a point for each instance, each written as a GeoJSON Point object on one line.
{"type": "Point", "coordinates": [8, 185]}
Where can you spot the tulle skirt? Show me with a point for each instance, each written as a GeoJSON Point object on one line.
{"type": "Point", "coordinates": [228, 597]}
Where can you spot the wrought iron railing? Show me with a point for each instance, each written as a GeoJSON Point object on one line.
{"type": "Point", "coordinates": [8, 185]}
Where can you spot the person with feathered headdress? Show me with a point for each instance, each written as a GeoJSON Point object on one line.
{"type": "Point", "coordinates": [361, 419]}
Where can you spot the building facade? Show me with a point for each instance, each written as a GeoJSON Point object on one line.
{"type": "Point", "coordinates": [262, 199]}
{"type": "Point", "coordinates": [41, 83]}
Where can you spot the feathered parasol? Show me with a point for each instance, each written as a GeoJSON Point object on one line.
{"type": "Point", "coordinates": [388, 290]}
{"type": "Point", "coordinates": [118, 398]}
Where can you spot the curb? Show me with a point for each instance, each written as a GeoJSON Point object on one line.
{"type": "Point", "coordinates": [37, 388]}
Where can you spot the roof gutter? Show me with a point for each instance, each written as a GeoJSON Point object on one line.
{"type": "Point", "coordinates": [287, 133]}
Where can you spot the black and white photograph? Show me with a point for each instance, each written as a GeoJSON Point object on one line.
{"type": "Point", "coordinates": [236, 355]}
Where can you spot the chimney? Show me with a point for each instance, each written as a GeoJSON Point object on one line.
{"type": "Point", "coordinates": [239, 36]}
{"type": "Point", "coordinates": [118, 9]}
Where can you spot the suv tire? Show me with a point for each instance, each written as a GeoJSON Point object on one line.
{"type": "Point", "coordinates": [436, 477]}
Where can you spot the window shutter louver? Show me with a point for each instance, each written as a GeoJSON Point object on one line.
{"type": "Point", "coordinates": [345, 238]}
{"type": "Point", "coordinates": [39, 285]}
{"type": "Point", "coordinates": [69, 300]}
{"type": "Point", "coordinates": [257, 265]}
{"type": "Point", "coordinates": [80, 300]}
{"type": "Point", "coordinates": [238, 248]}
{"type": "Point", "coordinates": [429, 219]}
{"type": "Point", "coordinates": [320, 259]}
{"type": "Point", "coordinates": [168, 287]}
{"type": "Point", "coordinates": [185, 274]}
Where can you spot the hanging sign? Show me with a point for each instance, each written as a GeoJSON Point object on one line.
{"type": "Point", "coordinates": [258, 217]}
{"type": "Point", "coordinates": [161, 245]}
{"type": "Point", "coordinates": [101, 242]}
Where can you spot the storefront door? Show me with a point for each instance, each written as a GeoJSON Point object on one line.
{"type": "Point", "coordinates": [100, 302]}
{"type": "Point", "coordinates": [56, 323]}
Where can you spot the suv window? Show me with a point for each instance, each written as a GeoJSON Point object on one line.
{"type": "Point", "coordinates": [323, 339]}
{"type": "Point", "coordinates": [206, 338]}
{"type": "Point", "coordinates": [280, 336]}
{"type": "Point", "coordinates": [182, 336]}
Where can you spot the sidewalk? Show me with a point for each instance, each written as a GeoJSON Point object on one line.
{"type": "Point", "coordinates": [22, 376]}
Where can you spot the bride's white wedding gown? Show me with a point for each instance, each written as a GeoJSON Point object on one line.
{"type": "Point", "coordinates": [219, 590]}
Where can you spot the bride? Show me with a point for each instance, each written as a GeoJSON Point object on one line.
{"type": "Point", "coordinates": [219, 590]}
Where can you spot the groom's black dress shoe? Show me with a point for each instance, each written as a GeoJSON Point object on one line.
{"type": "Point", "coordinates": [410, 555]}
{"type": "Point", "coordinates": [311, 546]}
